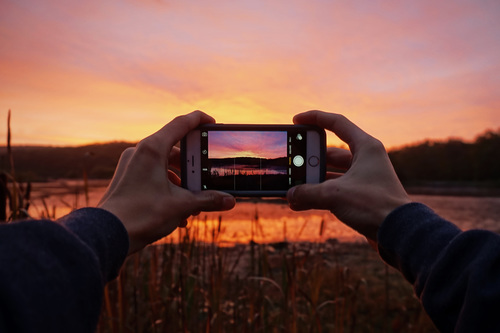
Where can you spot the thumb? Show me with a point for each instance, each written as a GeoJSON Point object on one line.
{"type": "Point", "coordinates": [310, 196]}
{"type": "Point", "coordinates": [208, 201]}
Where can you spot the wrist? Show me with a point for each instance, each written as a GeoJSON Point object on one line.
{"type": "Point", "coordinates": [384, 210]}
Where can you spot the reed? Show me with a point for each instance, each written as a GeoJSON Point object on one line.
{"type": "Point", "coordinates": [194, 286]}
{"type": "Point", "coordinates": [15, 198]}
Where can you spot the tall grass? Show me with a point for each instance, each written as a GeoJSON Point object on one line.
{"type": "Point", "coordinates": [191, 286]}
{"type": "Point", "coordinates": [14, 197]}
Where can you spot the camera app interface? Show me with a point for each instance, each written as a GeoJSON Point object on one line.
{"type": "Point", "coordinates": [252, 160]}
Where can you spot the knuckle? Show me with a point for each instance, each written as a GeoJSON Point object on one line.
{"type": "Point", "coordinates": [210, 198]}
{"type": "Point", "coordinates": [207, 201]}
{"type": "Point", "coordinates": [127, 152]}
{"type": "Point", "coordinates": [147, 147]}
{"type": "Point", "coordinates": [374, 145]}
{"type": "Point", "coordinates": [185, 122]}
{"type": "Point", "coordinates": [179, 118]}
{"type": "Point", "coordinates": [333, 120]}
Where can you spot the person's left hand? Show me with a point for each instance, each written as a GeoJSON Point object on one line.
{"type": "Point", "coordinates": [146, 196]}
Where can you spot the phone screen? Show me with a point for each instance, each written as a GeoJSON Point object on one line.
{"type": "Point", "coordinates": [252, 160]}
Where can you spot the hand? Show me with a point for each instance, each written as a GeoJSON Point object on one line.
{"type": "Point", "coordinates": [146, 196]}
{"type": "Point", "coordinates": [366, 193]}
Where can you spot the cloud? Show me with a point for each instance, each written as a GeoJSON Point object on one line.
{"type": "Point", "coordinates": [224, 144]}
{"type": "Point", "coordinates": [254, 62]}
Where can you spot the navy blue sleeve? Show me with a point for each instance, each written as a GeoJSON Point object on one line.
{"type": "Point", "coordinates": [52, 274]}
{"type": "Point", "coordinates": [455, 274]}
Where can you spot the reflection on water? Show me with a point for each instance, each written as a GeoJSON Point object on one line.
{"type": "Point", "coordinates": [270, 221]}
{"type": "Point", "coordinates": [247, 170]}
{"type": "Point", "coordinates": [60, 197]}
{"type": "Point", "coordinates": [466, 212]}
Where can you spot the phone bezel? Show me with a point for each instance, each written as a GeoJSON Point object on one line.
{"type": "Point", "coordinates": [191, 142]}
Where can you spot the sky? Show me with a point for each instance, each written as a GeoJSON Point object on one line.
{"type": "Point", "coordinates": [74, 72]}
{"type": "Point", "coordinates": [223, 144]}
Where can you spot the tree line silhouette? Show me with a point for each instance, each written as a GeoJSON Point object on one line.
{"type": "Point", "coordinates": [428, 162]}
{"type": "Point", "coordinates": [221, 167]}
{"type": "Point", "coordinates": [41, 163]}
{"type": "Point", "coordinates": [452, 161]}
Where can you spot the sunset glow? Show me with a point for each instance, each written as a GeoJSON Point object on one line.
{"type": "Point", "coordinates": [76, 72]}
{"type": "Point", "coordinates": [266, 145]}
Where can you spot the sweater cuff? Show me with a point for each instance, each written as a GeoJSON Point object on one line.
{"type": "Point", "coordinates": [411, 239]}
{"type": "Point", "coordinates": [104, 234]}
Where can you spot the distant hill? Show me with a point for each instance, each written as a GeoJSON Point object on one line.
{"type": "Point", "coordinates": [263, 162]}
{"type": "Point", "coordinates": [34, 163]}
{"type": "Point", "coordinates": [429, 162]}
{"type": "Point", "coordinates": [451, 161]}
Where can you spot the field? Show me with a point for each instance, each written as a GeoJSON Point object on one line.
{"type": "Point", "coordinates": [185, 285]}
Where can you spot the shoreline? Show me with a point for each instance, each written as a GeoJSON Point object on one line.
{"type": "Point", "coordinates": [443, 188]}
{"type": "Point", "coordinates": [437, 188]}
{"type": "Point", "coordinates": [454, 190]}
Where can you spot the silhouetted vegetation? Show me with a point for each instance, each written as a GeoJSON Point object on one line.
{"type": "Point", "coordinates": [452, 161]}
{"type": "Point", "coordinates": [194, 286]}
{"type": "Point", "coordinates": [428, 163]}
{"type": "Point", "coordinates": [45, 163]}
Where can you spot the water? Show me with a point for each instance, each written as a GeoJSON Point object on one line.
{"type": "Point", "coordinates": [466, 212]}
{"type": "Point", "coordinates": [270, 221]}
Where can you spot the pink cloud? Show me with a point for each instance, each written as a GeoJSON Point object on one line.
{"type": "Point", "coordinates": [254, 62]}
{"type": "Point", "coordinates": [223, 144]}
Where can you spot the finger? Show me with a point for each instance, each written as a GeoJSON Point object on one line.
{"type": "Point", "coordinates": [209, 201]}
{"type": "Point", "coordinates": [123, 163]}
{"type": "Point", "coordinates": [333, 175]}
{"type": "Point", "coordinates": [174, 160]}
{"type": "Point", "coordinates": [338, 158]}
{"type": "Point", "coordinates": [157, 147]}
{"type": "Point", "coordinates": [346, 130]}
{"type": "Point", "coordinates": [311, 196]}
{"type": "Point", "coordinates": [174, 178]}
{"type": "Point", "coordinates": [175, 130]}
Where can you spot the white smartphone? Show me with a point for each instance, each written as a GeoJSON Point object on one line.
{"type": "Point", "coordinates": [252, 160]}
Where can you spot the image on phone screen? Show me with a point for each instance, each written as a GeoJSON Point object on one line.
{"type": "Point", "coordinates": [252, 160]}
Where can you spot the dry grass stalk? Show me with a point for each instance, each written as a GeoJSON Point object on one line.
{"type": "Point", "coordinates": [18, 197]}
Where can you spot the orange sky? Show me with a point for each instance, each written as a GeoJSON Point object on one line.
{"type": "Point", "coordinates": [75, 72]}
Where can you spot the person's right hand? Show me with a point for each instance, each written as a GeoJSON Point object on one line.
{"type": "Point", "coordinates": [366, 193]}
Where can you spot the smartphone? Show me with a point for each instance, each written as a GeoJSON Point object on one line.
{"type": "Point", "coordinates": [252, 160]}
